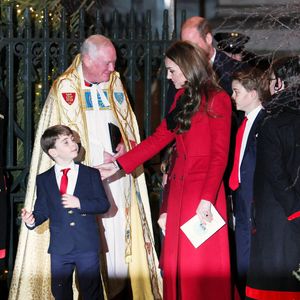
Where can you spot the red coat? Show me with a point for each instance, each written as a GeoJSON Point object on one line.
{"type": "Point", "coordinates": [201, 158]}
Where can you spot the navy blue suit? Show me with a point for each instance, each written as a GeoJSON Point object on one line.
{"type": "Point", "coordinates": [243, 197]}
{"type": "Point", "coordinates": [74, 233]}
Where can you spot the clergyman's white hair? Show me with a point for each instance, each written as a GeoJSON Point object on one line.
{"type": "Point", "coordinates": [93, 44]}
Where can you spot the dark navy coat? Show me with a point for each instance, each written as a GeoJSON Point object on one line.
{"type": "Point", "coordinates": [275, 245]}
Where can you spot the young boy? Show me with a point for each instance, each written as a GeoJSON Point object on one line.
{"type": "Point", "coordinates": [249, 89]}
{"type": "Point", "coordinates": [69, 195]}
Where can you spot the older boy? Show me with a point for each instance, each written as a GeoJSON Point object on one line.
{"type": "Point", "coordinates": [69, 195]}
{"type": "Point", "coordinates": [249, 89]}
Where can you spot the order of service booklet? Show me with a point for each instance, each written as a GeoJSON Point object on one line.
{"type": "Point", "coordinates": [197, 232]}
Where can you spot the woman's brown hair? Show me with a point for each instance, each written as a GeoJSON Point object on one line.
{"type": "Point", "coordinates": [200, 80]}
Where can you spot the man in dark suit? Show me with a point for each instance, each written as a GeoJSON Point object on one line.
{"type": "Point", "coordinates": [248, 92]}
{"type": "Point", "coordinates": [69, 195]}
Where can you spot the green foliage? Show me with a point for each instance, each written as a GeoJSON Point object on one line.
{"type": "Point", "coordinates": [35, 4]}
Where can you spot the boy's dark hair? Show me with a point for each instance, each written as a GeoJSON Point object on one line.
{"type": "Point", "coordinates": [51, 134]}
{"type": "Point", "coordinates": [253, 79]}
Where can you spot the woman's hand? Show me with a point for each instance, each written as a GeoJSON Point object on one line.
{"type": "Point", "coordinates": [107, 157]}
{"type": "Point", "coordinates": [204, 211]}
{"type": "Point", "coordinates": [108, 169]}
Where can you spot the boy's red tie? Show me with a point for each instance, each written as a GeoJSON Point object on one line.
{"type": "Point", "coordinates": [234, 176]}
{"type": "Point", "coordinates": [64, 181]}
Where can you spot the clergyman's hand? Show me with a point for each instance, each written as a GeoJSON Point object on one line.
{"type": "Point", "coordinates": [121, 149]}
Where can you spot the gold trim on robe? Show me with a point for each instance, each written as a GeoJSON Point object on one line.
{"type": "Point", "coordinates": [31, 276]}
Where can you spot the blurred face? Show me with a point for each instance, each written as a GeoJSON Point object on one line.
{"type": "Point", "coordinates": [66, 149]}
{"type": "Point", "coordinates": [245, 100]}
{"type": "Point", "coordinates": [192, 35]}
{"type": "Point", "coordinates": [272, 85]}
{"type": "Point", "coordinates": [174, 73]}
{"type": "Point", "coordinates": [99, 67]}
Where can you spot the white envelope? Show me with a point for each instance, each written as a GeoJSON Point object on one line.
{"type": "Point", "coordinates": [198, 233]}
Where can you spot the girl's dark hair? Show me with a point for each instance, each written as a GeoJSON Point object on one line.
{"type": "Point", "coordinates": [200, 80]}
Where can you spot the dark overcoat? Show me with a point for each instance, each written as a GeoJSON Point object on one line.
{"type": "Point", "coordinates": [275, 246]}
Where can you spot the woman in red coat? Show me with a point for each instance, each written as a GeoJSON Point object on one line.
{"type": "Point", "coordinates": [199, 121]}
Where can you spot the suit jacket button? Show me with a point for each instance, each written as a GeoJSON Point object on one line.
{"type": "Point", "coordinates": [70, 212]}
{"type": "Point", "coordinates": [72, 224]}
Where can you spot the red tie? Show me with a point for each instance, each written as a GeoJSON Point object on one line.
{"type": "Point", "coordinates": [64, 181]}
{"type": "Point", "coordinates": [234, 176]}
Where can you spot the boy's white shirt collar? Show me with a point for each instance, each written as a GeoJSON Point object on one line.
{"type": "Point", "coordinates": [58, 167]}
{"type": "Point", "coordinates": [252, 114]}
